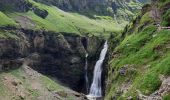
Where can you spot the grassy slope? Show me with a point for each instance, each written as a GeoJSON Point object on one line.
{"type": "Point", "coordinates": [146, 54]}
{"type": "Point", "coordinates": [6, 21]}
{"type": "Point", "coordinates": [60, 21]}
{"type": "Point", "coordinates": [41, 88]}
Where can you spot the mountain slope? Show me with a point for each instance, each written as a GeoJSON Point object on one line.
{"type": "Point", "coordinates": [38, 16]}
{"type": "Point", "coordinates": [33, 15]}
{"type": "Point", "coordinates": [55, 42]}
{"type": "Point", "coordinates": [139, 65]}
{"type": "Point", "coordinates": [120, 9]}
{"type": "Point", "coordinates": [15, 85]}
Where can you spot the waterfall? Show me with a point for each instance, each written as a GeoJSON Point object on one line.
{"type": "Point", "coordinates": [95, 89]}
{"type": "Point", "coordinates": [86, 72]}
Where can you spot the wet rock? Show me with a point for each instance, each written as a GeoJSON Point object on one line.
{"type": "Point", "coordinates": [75, 60]}
{"type": "Point", "coordinates": [94, 45]}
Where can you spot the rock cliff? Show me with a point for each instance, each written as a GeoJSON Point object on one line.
{"type": "Point", "coordinates": [59, 55]}
{"type": "Point", "coordinates": [115, 8]}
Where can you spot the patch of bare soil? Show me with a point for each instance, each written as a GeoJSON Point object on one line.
{"type": "Point", "coordinates": [25, 22]}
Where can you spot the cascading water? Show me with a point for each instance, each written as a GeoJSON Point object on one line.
{"type": "Point", "coordinates": [95, 89]}
{"type": "Point", "coordinates": [86, 72]}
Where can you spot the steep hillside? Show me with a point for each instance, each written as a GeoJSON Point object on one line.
{"type": "Point", "coordinates": [119, 9]}
{"type": "Point", "coordinates": [36, 16]}
{"type": "Point", "coordinates": [52, 42]}
{"type": "Point", "coordinates": [40, 38]}
{"type": "Point", "coordinates": [15, 85]}
{"type": "Point", "coordinates": [139, 65]}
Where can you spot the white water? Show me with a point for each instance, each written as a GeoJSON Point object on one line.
{"type": "Point", "coordinates": [86, 72]}
{"type": "Point", "coordinates": [96, 89]}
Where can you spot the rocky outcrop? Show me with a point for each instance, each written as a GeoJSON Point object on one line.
{"type": "Point", "coordinates": [58, 55]}
{"type": "Point", "coordinates": [40, 12]}
{"type": "Point", "coordinates": [22, 6]}
{"type": "Point", "coordinates": [114, 8]}
{"type": "Point", "coordinates": [17, 5]}
{"type": "Point", "coordinates": [77, 5]}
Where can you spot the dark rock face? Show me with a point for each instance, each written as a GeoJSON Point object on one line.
{"type": "Point", "coordinates": [17, 5]}
{"type": "Point", "coordinates": [12, 50]}
{"type": "Point", "coordinates": [76, 5]}
{"type": "Point", "coordinates": [41, 13]}
{"type": "Point", "coordinates": [57, 55]}
{"type": "Point", "coordinates": [100, 7]}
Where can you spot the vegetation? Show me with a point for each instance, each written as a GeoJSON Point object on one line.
{"type": "Point", "coordinates": [140, 55]}
{"type": "Point", "coordinates": [6, 21]}
{"type": "Point", "coordinates": [167, 97]}
{"type": "Point", "coordinates": [166, 18]}
{"type": "Point", "coordinates": [51, 85]}
{"type": "Point", "coordinates": [21, 79]}
{"type": "Point", "coordinates": [144, 55]}
{"type": "Point", "coordinates": [61, 21]}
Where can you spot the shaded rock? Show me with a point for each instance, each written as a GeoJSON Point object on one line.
{"type": "Point", "coordinates": [75, 60]}
{"type": "Point", "coordinates": [41, 12]}
{"type": "Point", "coordinates": [123, 70]}
{"type": "Point", "coordinates": [16, 82]}
{"type": "Point", "coordinates": [18, 5]}
{"type": "Point", "coordinates": [146, 8]}
{"type": "Point", "coordinates": [58, 55]}
{"type": "Point", "coordinates": [9, 64]}
{"type": "Point", "coordinates": [38, 40]}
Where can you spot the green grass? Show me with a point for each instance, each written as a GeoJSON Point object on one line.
{"type": "Point", "coordinates": [18, 74]}
{"type": "Point", "coordinates": [163, 2]}
{"type": "Point", "coordinates": [61, 21]}
{"type": "Point", "coordinates": [45, 83]}
{"type": "Point", "coordinates": [167, 97]}
{"type": "Point", "coordinates": [6, 21]}
{"type": "Point", "coordinates": [51, 85]}
{"type": "Point", "coordinates": [166, 18]}
{"type": "Point", "coordinates": [146, 18]}
{"type": "Point", "coordinates": [149, 56]}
